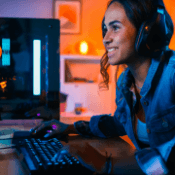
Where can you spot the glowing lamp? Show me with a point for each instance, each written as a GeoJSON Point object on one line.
{"type": "Point", "coordinates": [83, 47]}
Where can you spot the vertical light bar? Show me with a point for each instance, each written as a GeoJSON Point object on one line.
{"type": "Point", "coordinates": [5, 52]}
{"type": "Point", "coordinates": [36, 67]}
{"type": "Point", "coordinates": [46, 67]}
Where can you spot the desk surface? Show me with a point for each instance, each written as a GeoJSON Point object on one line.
{"type": "Point", "coordinates": [10, 163]}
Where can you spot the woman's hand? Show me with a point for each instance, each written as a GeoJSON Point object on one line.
{"type": "Point", "coordinates": [53, 127]}
{"type": "Point", "coordinates": [88, 156]}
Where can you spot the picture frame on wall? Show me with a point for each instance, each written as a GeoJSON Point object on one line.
{"type": "Point", "coordinates": [69, 14]}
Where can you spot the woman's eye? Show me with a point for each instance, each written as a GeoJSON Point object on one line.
{"type": "Point", "coordinates": [104, 31]}
{"type": "Point", "coordinates": [115, 28]}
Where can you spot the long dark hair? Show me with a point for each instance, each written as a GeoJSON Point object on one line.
{"type": "Point", "coordinates": [137, 12]}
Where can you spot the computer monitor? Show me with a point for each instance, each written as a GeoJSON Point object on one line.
{"type": "Point", "coordinates": [29, 61]}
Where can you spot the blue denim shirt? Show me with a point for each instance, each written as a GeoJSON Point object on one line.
{"type": "Point", "coordinates": [158, 101]}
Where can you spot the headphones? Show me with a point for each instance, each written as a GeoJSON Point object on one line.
{"type": "Point", "coordinates": [152, 37]}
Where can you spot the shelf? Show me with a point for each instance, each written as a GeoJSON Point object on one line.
{"type": "Point", "coordinates": [87, 93]}
{"type": "Point", "coordinates": [81, 83]}
{"type": "Point", "coordinates": [72, 114]}
{"type": "Point", "coordinates": [81, 68]}
{"type": "Point", "coordinates": [71, 117]}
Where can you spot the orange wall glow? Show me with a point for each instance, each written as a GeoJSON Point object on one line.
{"type": "Point", "coordinates": [64, 9]}
{"type": "Point", "coordinates": [92, 13]}
{"type": "Point", "coordinates": [170, 7]}
{"type": "Point", "coordinates": [91, 16]}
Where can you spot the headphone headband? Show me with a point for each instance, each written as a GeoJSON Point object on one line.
{"type": "Point", "coordinates": [158, 3]}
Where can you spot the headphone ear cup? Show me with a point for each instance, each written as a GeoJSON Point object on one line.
{"type": "Point", "coordinates": [141, 45]}
{"type": "Point", "coordinates": [161, 32]}
{"type": "Point", "coordinates": [152, 36]}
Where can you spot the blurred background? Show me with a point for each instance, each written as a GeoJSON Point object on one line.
{"type": "Point", "coordinates": [92, 12]}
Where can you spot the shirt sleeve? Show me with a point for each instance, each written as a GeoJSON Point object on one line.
{"type": "Point", "coordinates": [82, 128]}
{"type": "Point", "coordinates": [90, 129]}
{"type": "Point", "coordinates": [103, 126]}
{"type": "Point", "coordinates": [106, 126]}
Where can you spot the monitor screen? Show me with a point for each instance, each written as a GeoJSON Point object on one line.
{"type": "Point", "coordinates": [29, 62]}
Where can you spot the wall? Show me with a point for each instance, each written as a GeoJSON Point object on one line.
{"type": "Point", "coordinates": [170, 6]}
{"type": "Point", "coordinates": [92, 14]}
{"type": "Point", "coordinates": [26, 8]}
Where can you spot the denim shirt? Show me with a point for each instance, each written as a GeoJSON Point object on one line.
{"type": "Point", "coordinates": [158, 101]}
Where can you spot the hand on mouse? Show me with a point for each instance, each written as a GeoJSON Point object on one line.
{"type": "Point", "coordinates": [42, 112]}
{"type": "Point", "coordinates": [87, 155]}
{"type": "Point", "coordinates": [53, 127]}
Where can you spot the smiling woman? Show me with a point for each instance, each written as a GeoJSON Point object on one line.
{"type": "Point", "coordinates": [120, 35]}
{"type": "Point", "coordinates": [125, 20]}
{"type": "Point", "coordinates": [136, 33]}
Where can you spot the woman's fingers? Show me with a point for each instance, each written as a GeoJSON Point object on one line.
{"type": "Point", "coordinates": [33, 130]}
{"type": "Point", "coordinates": [50, 133]}
{"type": "Point", "coordinates": [50, 128]}
{"type": "Point", "coordinates": [66, 150]}
{"type": "Point", "coordinates": [55, 129]}
{"type": "Point", "coordinates": [60, 155]}
{"type": "Point", "coordinates": [43, 126]}
{"type": "Point", "coordinates": [40, 127]}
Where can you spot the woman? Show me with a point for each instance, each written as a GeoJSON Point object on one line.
{"type": "Point", "coordinates": [144, 94]}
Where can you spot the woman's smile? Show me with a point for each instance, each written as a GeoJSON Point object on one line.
{"type": "Point", "coordinates": [111, 52]}
{"type": "Point", "coordinates": [120, 35]}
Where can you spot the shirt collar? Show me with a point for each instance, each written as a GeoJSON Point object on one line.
{"type": "Point", "coordinates": [151, 73]}
{"type": "Point", "coordinates": [128, 79]}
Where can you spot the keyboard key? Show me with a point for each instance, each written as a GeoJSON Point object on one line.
{"type": "Point", "coordinates": [41, 153]}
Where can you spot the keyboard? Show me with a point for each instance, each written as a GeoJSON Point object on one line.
{"type": "Point", "coordinates": [36, 155]}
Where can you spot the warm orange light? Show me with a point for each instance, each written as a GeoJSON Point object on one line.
{"type": "Point", "coordinates": [14, 78]}
{"type": "Point", "coordinates": [3, 84]}
{"type": "Point", "coordinates": [83, 47]}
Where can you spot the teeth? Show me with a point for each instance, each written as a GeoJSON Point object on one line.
{"type": "Point", "coordinates": [110, 50]}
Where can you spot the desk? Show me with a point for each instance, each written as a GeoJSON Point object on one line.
{"type": "Point", "coordinates": [10, 163]}
{"type": "Point", "coordinates": [71, 117]}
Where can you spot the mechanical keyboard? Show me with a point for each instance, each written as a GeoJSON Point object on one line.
{"type": "Point", "coordinates": [36, 155]}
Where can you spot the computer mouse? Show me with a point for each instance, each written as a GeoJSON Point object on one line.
{"type": "Point", "coordinates": [41, 133]}
{"type": "Point", "coordinates": [44, 134]}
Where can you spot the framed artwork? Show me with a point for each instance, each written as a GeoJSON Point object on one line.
{"type": "Point", "coordinates": [69, 14]}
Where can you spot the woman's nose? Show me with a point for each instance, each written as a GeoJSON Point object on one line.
{"type": "Point", "coordinates": [107, 39]}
